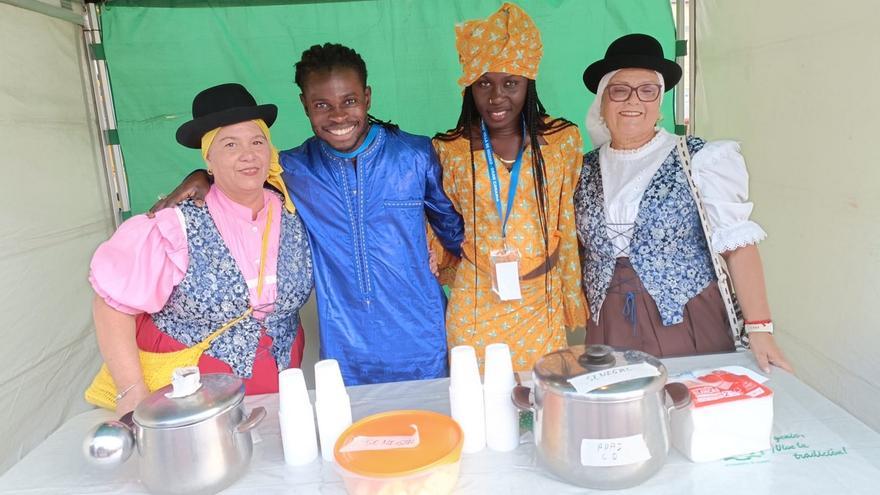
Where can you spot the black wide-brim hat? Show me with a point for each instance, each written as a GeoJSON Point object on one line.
{"type": "Point", "coordinates": [633, 51]}
{"type": "Point", "coordinates": [219, 106]}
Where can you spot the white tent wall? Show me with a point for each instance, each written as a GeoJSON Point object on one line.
{"type": "Point", "coordinates": [55, 211]}
{"type": "Point", "coordinates": [794, 81]}
{"type": "Point", "coordinates": [791, 79]}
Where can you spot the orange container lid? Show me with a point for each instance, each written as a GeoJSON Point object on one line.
{"type": "Point", "coordinates": [398, 443]}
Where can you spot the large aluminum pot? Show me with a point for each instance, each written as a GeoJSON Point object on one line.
{"type": "Point", "coordinates": [198, 443]}
{"type": "Point", "coordinates": [601, 415]}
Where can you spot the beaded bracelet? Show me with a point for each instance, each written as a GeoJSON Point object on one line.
{"type": "Point", "coordinates": [120, 395]}
{"type": "Point", "coordinates": [760, 326]}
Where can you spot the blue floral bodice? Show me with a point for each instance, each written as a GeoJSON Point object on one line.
{"type": "Point", "coordinates": [213, 292]}
{"type": "Point", "coordinates": [668, 250]}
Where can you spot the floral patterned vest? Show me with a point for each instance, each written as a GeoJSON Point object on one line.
{"type": "Point", "coordinates": [213, 291]}
{"type": "Point", "coordinates": [668, 249]}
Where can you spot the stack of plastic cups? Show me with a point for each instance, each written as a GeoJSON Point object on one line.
{"type": "Point", "coordinates": [466, 397]}
{"type": "Point", "coordinates": [296, 418]}
{"type": "Point", "coordinates": [332, 405]}
{"type": "Point", "coordinates": [502, 417]}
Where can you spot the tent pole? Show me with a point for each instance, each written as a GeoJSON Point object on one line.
{"type": "Point", "coordinates": [46, 9]}
{"type": "Point", "coordinates": [681, 58]}
{"type": "Point", "coordinates": [685, 55]}
{"type": "Point", "coordinates": [102, 97]}
{"type": "Point", "coordinates": [692, 64]}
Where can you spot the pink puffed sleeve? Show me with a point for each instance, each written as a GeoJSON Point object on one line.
{"type": "Point", "coordinates": [138, 267]}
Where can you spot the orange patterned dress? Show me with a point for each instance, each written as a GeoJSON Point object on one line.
{"type": "Point", "coordinates": [552, 299]}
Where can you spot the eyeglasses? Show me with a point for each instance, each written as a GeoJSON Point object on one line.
{"type": "Point", "coordinates": [622, 92]}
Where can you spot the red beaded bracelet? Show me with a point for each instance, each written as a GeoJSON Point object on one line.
{"type": "Point", "coordinates": [759, 327]}
{"type": "Point", "coordinates": [758, 322]}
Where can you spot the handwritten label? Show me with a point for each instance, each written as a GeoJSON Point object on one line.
{"type": "Point", "coordinates": [388, 442]}
{"type": "Point", "coordinates": [788, 436]}
{"type": "Point", "coordinates": [797, 446]}
{"type": "Point", "coordinates": [614, 451]}
{"type": "Point", "coordinates": [820, 453]}
{"type": "Point", "coordinates": [758, 457]}
{"type": "Point", "coordinates": [603, 378]}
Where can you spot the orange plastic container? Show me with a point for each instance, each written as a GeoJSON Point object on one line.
{"type": "Point", "coordinates": [400, 453]}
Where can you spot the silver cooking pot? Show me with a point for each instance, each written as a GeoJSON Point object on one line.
{"type": "Point", "coordinates": [198, 443]}
{"type": "Point", "coordinates": [601, 416]}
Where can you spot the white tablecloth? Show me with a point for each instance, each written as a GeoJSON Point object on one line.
{"type": "Point", "coordinates": [805, 422]}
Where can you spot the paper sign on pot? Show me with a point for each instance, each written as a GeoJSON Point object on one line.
{"type": "Point", "coordinates": [362, 443]}
{"type": "Point", "coordinates": [602, 378]}
{"type": "Point", "coordinates": [614, 451]}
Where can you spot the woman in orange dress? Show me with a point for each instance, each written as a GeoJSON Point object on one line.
{"type": "Point", "coordinates": [510, 170]}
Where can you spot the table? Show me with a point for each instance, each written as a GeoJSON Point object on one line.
{"type": "Point", "coordinates": [804, 422]}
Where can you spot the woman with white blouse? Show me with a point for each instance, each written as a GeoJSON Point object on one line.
{"type": "Point", "coordinates": [647, 265]}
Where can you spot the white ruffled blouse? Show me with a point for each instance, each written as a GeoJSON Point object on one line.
{"type": "Point", "coordinates": [719, 172]}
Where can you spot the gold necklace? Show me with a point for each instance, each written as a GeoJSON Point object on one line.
{"type": "Point", "coordinates": [506, 162]}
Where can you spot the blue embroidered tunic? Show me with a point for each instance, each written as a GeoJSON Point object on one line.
{"type": "Point", "coordinates": [380, 309]}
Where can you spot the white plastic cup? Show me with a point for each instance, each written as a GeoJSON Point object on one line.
{"type": "Point", "coordinates": [293, 394]}
{"type": "Point", "coordinates": [499, 369]}
{"type": "Point", "coordinates": [501, 415]}
{"type": "Point", "coordinates": [466, 407]}
{"type": "Point", "coordinates": [463, 369]}
{"type": "Point", "coordinates": [466, 397]}
{"type": "Point", "coordinates": [328, 380]}
{"type": "Point", "coordinates": [296, 418]}
{"type": "Point", "coordinates": [502, 421]}
{"type": "Point", "coordinates": [334, 416]}
{"type": "Point", "coordinates": [332, 405]}
{"type": "Point", "coordinates": [298, 438]}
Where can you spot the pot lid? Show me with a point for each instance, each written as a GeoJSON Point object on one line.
{"type": "Point", "coordinates": [399, 444]}
{"type": "Point", "coordinates": [166, 408]}
{"type": "Point", "coordinates": [601, 372]}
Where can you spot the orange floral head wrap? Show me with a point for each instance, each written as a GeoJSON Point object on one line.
{"type": "Point", "coordinates": [506, 41]}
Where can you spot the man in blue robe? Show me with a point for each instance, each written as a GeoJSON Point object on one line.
{"type": "Point", "coordinates": [364, 189]}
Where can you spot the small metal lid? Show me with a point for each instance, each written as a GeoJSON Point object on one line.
{"type": "Point", "coordinates": [600, 372]}
{"type": "Point", "coordinates": [219, 392]}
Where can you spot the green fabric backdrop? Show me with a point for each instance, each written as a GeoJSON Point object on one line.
{"type": "Point", "coordinates": [161, 53]}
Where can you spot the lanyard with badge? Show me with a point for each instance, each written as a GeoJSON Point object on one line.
{"type": "Point", "coordinates": [505, 261]}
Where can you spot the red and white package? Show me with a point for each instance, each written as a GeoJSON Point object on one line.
{"type": "Point", "coordinates": [730, 414]}
{"type": "Point", "coordinates": [721, 386]}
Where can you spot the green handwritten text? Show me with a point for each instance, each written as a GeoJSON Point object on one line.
{"type": "Point", "coordinates": [820, 453]}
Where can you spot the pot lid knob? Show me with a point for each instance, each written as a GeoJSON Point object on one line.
{"type": "Point", "coordinates": [597, 357]}
{"type": "Point", "coordinates": [185, 381]}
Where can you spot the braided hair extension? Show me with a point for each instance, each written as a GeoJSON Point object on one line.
{"type": "Point", "coordinates": [330, 56]}
{"type": "Point", "coordinates": [538, 124]}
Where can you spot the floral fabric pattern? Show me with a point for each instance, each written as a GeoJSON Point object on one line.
{"type": "Point", "coordinates": [214, 291]}
{"type": "Point", "coordinates": [552, 299]}
{"type": "Point", "coordinates": [668, 251]}
{"type": "Point", "coordinates": [506, 41]}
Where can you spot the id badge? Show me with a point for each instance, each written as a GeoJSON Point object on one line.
{"type": "Point", "coordinates": [505, 273]}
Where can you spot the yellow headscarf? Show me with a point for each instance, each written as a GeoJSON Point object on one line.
{"type": "Point", "coordinates": [506, 41]}
{"type": "Point", "coordinates": [274, 165]}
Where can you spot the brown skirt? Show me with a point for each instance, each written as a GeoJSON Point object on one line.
{"type": "Point", "coordinates": [629, 319]}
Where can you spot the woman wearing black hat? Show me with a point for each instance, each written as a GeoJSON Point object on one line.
{"type": "Point", "coordinates": [650, 249]}
{"type": "Point", "coordinates": [170, 282]}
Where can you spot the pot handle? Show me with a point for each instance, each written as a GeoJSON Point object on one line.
{"type": "Point", "coordinates": [680, 395]}
{"type": "Point", "coordinates": [256, 416]}
{"type": "Point", "coordinates": [128, 420]}
{"type": "Point", "coordinates": [522, 398]}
